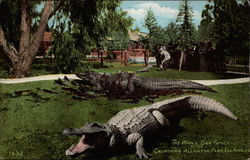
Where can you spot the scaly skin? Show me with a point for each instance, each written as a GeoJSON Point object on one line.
{"type": "Point", "coordinates": [127, 83]}
{"type": "Point", "coordinates": [132, 126]}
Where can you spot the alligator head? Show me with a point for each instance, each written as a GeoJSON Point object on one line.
{"type": "Point", "coordinates": [89, 77]}
{"type": "Point", "coordinates": [93, 136]}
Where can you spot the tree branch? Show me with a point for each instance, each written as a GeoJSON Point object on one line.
{"type": "Point", "coordinates": [38, 36]}
{"type": "Point", "coordinates": [25, 27]}
{"type": "Point", "coordinates": [10, 51]}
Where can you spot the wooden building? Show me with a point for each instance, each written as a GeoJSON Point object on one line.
{"type": "Point", "coordinates": [45, 44]}
{"type": "Point", "coordinates": [135, 49]}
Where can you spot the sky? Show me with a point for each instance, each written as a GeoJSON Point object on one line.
{"type": "Point", "coordinates": [164, 11]}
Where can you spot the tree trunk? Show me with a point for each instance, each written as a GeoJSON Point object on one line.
{"type": "Point", "coordinates": [125, 58]}
{"type": "Point", "coordinates": [28, 49]}
{"type": "Point", "coordinates": [9, 50]}
{"type": "Point", "coordinates": [101, 58]}
{"type": "Point", "coordinates": [121, 52]}
{"type": "Point", "coordinates": [25, 27]}
{"type": "Point", "coordinates": [181, 60]}
{"type": "Point", "coordinates": [23, 65]}
{"type": "Point", "coordinates": [146, 57]}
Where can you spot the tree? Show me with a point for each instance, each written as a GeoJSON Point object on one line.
{"type": "Point", "coordinates": [243, 37]}
{"type": "Point", "coordinates": [228, 24]}
{"type": "Point", "coordinates": [118, 41]}
{"type": "Point", "coordinates": [231, 25]}
{"type": "Point", "coordinates": [91, 17]}
{"type": "Point", "coordinates": [109, 22]}
{"type": "Point", "coordinates": [67, 47]}
{"type": "Point", "coordinates": [22, 58]}
{"type": "Point", "coordinates": [150, 21]}
{"type": "Point", "coordinates": [103, 18]}
{"type": "Point", "coordinates": [151, 25]}
{"type": "Point", "coordinates": [187, 29]}
{"type": "Point", "coordinates": [172, 32]}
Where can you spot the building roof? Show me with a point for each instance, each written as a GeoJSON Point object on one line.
{"type": "Point", "coordinates": [135, 36]}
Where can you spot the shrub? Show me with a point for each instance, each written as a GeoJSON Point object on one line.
{"type": "Point", "coordinates": [67, 54]}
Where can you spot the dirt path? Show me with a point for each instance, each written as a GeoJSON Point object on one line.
{"type": "Point", "coordinates": [223, 81]}
{"type": "Point", "coordinates": [72, 76]}
{"type": "Point", "coordinates": [38, 78]}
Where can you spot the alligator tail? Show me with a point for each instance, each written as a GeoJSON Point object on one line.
{"type": "Point", "coordinates": [201, 103]}
{"type": "Point", "coordinates": [164, 84]}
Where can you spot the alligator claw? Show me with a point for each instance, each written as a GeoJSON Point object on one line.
{"type": "Point", "coordinates": [142, 154]}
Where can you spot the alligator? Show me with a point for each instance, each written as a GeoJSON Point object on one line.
{"type": "Point", "coordinates": [128, 83]}
{"type": "Point", "coordinates": [131, 127]}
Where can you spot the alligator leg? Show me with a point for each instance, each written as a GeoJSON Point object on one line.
{"type": "Point", "coordinates": [140, 150]}
{"type": "Point", "coordinates": [161, 118]}
{"type": "Point", "coordinates": [137, 139]}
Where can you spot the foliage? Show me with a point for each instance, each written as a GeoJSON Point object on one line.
{"type": "Point", "coordinates": [227, 24]}
{"type": "Point", "coordinates": [172, 32]}
{"type": "Point", "coordinates": [150, 21]}
{"type": "Point", "coordinates": [100, 19]}
{"type": "Point", "coordinates": [205, 33]}
{"type": "Point", "coordinates": [4, 73]}
{"type": "Point", "coordinates": [5, 67]}
{"type": "Point", "coordinates": [157, 34]}
{"type": "Point", "coordinates": [158, 37]}
{"type": "Point", "coordinates": [151, 25]}
{"type": "Point", "coordinates": [89, 22]}
{"type": "Point", "coordinates": [187, 28]}
{"type": "Point", "coordinates": [206, 25]}
{"type": "Point", "coordinates": [10, 19]}
{"type": "Point", "coordinates": [67, 53]}
{"type": "Point", "coordinates": [117, 28]}
{"type": "Point", "coordinates": [118, 42]}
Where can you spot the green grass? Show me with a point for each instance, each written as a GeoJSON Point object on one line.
{"type": "Point", "coordinates": [169, 73]}
{"type": "Point", "coordinates": [41, 68]}
{"type": "Point", "coordinates": [31, 124]}
{"type": "Point", "coordinates": [239, 59]}
{"type": "Point", "coordinates": [237, 69]}
{"type": "Point", "coordinates": [175, 74]}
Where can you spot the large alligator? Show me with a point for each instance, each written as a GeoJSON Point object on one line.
{"type": "Point", "coordinates": [131, 127]}
{"type": "Point", "coordinates": [128, 83]}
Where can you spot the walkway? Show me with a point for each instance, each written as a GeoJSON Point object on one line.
{"type": "Point", "coordinates": [38, 78]}
{"type": "Point", "coordinates": [73, 76]}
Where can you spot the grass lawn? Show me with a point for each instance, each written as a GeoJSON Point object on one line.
{"type": "Point", "coordinates": [31, 124]}
{"type": "Point", "coordinates": [169, 73]}
{"type": "Point", "coordinates": [40, 68]}
{"type": "Point", "coordinates": [237, 69]}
